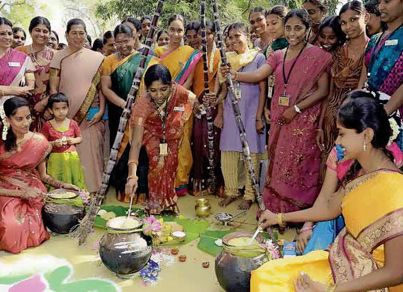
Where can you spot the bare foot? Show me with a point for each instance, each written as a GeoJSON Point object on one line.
{"type": "Point", "coordinates": [245, 205]}
{"type": "Point", "coordinates": [228, 200]}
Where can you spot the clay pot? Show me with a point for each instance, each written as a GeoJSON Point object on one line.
{"type": "Point", "coordinates": [61, 218]}
{"type": "Point", "coordinates": [125, 251]}
{"type": "Point", "coordinates": [233, 271]}
{"type": "Point", "coordinates": [202, 208]}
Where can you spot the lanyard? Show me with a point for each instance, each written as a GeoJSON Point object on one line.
{"type": "Point", "coordinates": [287, 78]}
{"type": "Point", "coordinates": [163, 116]}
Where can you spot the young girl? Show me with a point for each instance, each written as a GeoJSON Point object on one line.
{"type": "Point", "coordinates": [330, 35]}
{"type": "Point", "coordinates": [345, 72]}
{"type": "Point", "coordinates": [251, 103]}
{"type": "Point", "coordinates": [62, 133]}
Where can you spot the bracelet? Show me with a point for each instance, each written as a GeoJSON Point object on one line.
{"type": "Point", "coordinates": [132, 177]}
{"type": "Point", "coordinates": [297, 109]}
{"type": "Point", "coordinates": [319, 130]}
{"type": "Point", "coordinates": [133, 162]}
{"type": "Point", "coordinates": [280, 219]}
{"type": "Point", "coordinates": [235, 77]}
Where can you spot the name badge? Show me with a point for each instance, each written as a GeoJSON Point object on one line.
{"type": "Point", "coordinates": [179, 109]}
{"type": "Point", "coordinates": [391, 42]}
{"type": "Point", "coordinates": [284, 100]}
{"type": "Point", "coordinates": [163, 149]}
{"type": "Point", "coordinates": [14, 64]}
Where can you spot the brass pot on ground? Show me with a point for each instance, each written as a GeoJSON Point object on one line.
{"type": "Point", "coordinates": [203, 207]}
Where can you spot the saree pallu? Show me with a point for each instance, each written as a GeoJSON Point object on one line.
{"type": "Point", "coordinates": [21, 224]}
{"type": "Point", "coordinates": [292, 181]}
{"type": "Point", "coordinates": [162, 169]}
{"type": "Point", "coordinates": [358, 249]}
{"type": "Point", "coordinates": [200, 132]}
{"type": "Point", "coordinates": [345, 74]}
{"type": "Point", "coordinates": [14, 64]}
{"type": "Point", "coordinates": [41, 61]}
{"type": "Point", "coordinates": [79, 81]}
{"type": "Point", "coordinates": [122, 79]}
{"type": "Point", "coordinates": [181, 62]}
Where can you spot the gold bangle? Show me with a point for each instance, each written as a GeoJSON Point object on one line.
{"type": "Point", "coordinates": [133, 162]}
{"type": "Point", "coordinates": [132, 177]}
{"type": "Point", "coordinates": [280, 219]}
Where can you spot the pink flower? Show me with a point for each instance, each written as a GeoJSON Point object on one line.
{"type": "Point", "coordinates": [151, 225]}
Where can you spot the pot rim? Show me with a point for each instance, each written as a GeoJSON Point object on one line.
{"type": "Point", "coordinates": [125, 230]}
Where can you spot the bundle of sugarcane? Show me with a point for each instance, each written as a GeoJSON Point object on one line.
{"type": "Point", "coordinates": [235, 107]}
{"type": "Point", "coordinates": [87, 223]}
{"type": "Point", "coordinates": [206, 101]}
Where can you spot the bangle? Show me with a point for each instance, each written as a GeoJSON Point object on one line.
{"type": "Point", "coordinates": [132, 177]}
{"type": "Point", "coordinates": [133, 162]}
{"type": "Point", "coordinates": [280, 219]}
{"type": "Point", "coordinates": [297, 109]}
{"type": "Point", "coordinates": [319, 130]}
{"type": "Point", "coordinates": [235, 76]}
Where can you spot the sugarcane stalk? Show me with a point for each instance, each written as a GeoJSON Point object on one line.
{"type": "Point", "coordinates": [87, 223]}
{"type": "Point", "coordinates": [206, 101]}
{"type": "Point", "coordinates": [235, 107]}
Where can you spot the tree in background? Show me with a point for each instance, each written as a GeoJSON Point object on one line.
{"type": "Point", "coordinates": [19, 12]}
{"type": "Point", "coordinates": [231, 10]}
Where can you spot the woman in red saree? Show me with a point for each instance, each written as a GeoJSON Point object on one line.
{"type": "Point", "coordinates": [22, 170]}
{"type": "Point", "coordinates": [301, 82]}
{"type": "Point", "coordinates": [158, 122]}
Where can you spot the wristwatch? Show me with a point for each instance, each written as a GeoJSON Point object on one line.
{"type": "Point", "coordinates": [297, 109]}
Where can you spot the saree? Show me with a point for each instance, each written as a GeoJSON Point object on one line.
{"type": "Point", "coordinates": [384, 60]}
{"type": "Point", "coordinates": [345, 74]}
{"type": "Point", "coordinates": [292, 180]}
{"type": "Point", "coordinates": [358, 249]}
{"type": "Point", "coordinates": [122, 74]}
{"type": "Point", "coordinates": [82, 91]}
{"type": "Point", "coordinates": [41, 62]}
{"type": "Point", "coordinates": [181, 62]}
{"type": "Point", "coordinates": [21, 224]}
{"type": "Point", "coordinates": [200, 173]}
{"type": "Point", "coordinates": [162, 169]}
{"type": "Point", "coordinates": [14, 64]}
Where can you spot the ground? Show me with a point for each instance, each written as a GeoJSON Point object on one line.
{"type": "Point", "coordinates": [62, 256]}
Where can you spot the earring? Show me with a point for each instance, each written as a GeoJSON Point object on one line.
{"type": "Point", "coordinates": [365, 146]}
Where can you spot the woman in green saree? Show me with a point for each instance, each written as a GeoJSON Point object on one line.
{"type": "Point", "coordinates": [116, 80]}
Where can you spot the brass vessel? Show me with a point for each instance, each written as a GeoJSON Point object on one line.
{"type": "Point", "coordinates": [202, 208]}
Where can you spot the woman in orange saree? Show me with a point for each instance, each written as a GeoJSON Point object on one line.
{"type": "Point", "coordinates": [76, 71]}
{"type": "Point", "coordinates": [367, 254]}
{"type": "Point", "coordinates": [22, 170]}
{"type": "Point", "coordinates": [158, 122]}
{"type": "Point", "coordinates": [181, 62]}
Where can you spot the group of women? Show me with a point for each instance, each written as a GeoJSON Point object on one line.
{"type": "Point", "coordinates": [330, 153]}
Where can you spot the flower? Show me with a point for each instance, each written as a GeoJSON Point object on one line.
{"type": "Point", "coordinates": [272, 250]}
{"type": "Point", "coordinates": [151, 225]}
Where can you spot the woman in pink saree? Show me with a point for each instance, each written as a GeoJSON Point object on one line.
{"type": "Point", "coordinates": [292, 180]}
{"type": "Point", "coordinates": [22, 170]}
{"type": "Point", "coordinates": [16, 74]}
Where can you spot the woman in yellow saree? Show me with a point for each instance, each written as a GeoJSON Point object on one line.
{"type": "Point", "coordinates": [181, 62]}
{"type": "Point", "coordinates": [367, 255]}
